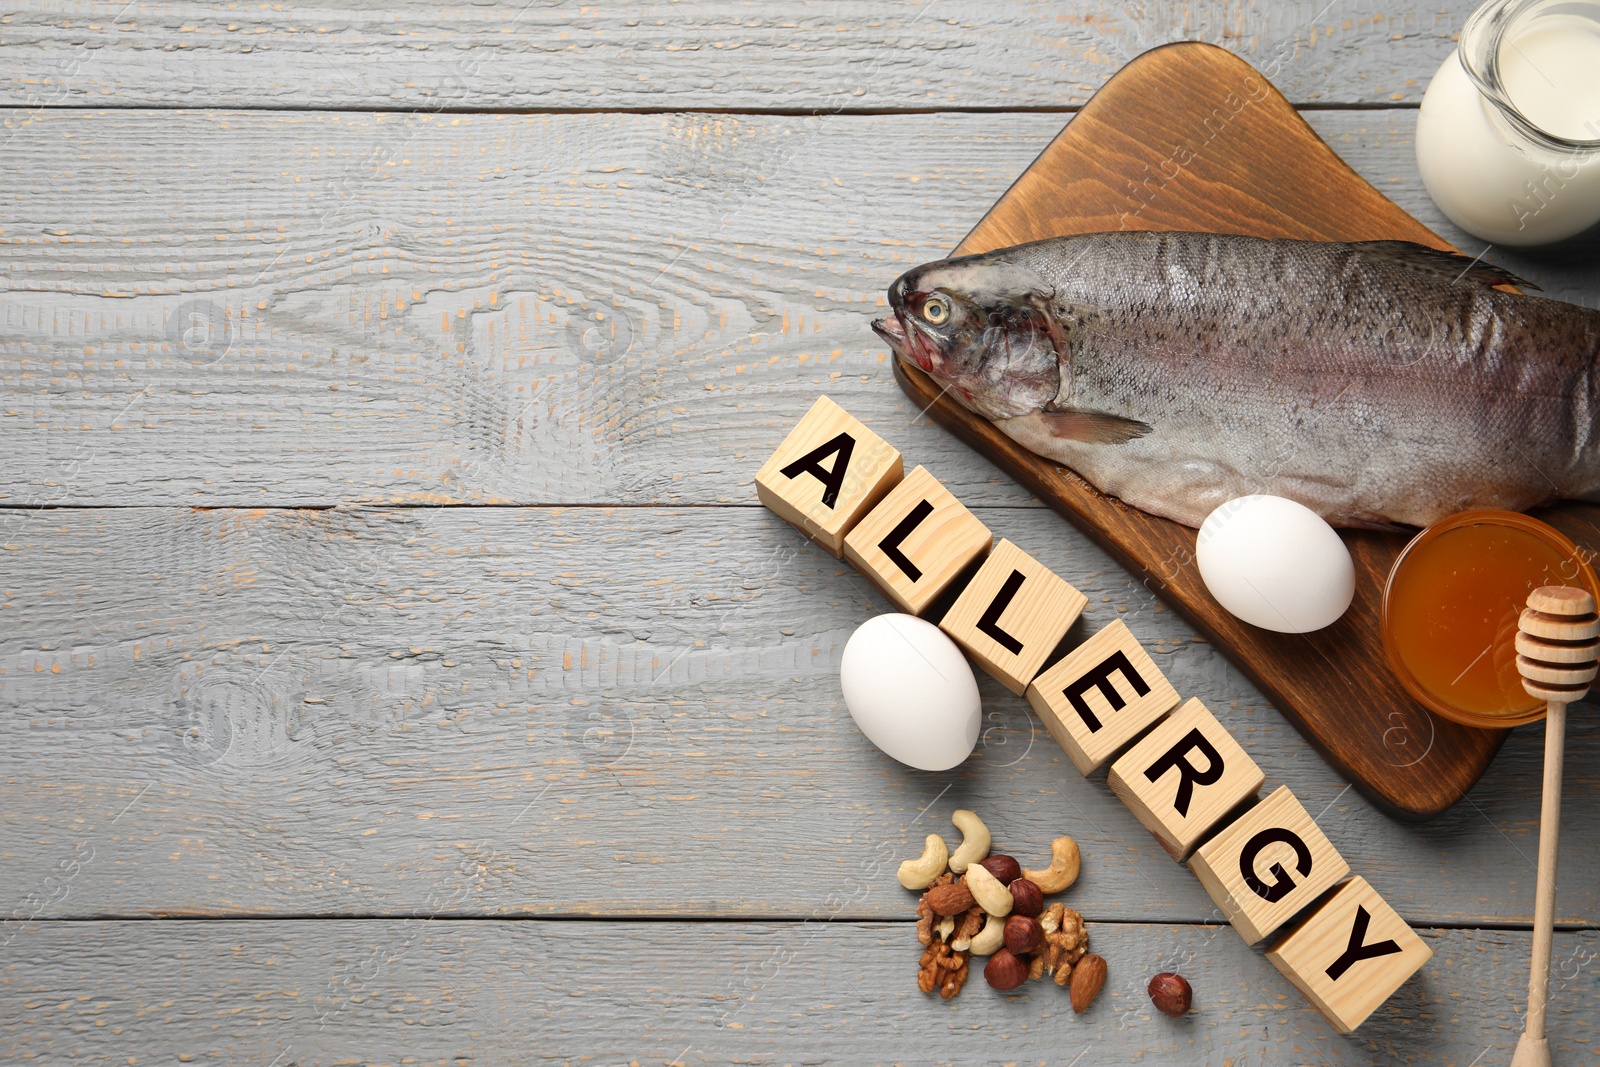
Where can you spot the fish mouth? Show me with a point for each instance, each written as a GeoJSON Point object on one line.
{"type": "Point", "coordinates": [907, 345]}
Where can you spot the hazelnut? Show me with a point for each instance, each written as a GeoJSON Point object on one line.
{"type": "Point", "coordinates": [1023, 934]}
{"type": "Point", "coordinates": [1026, 898]}
{"type": "Point", "coordinates": [1005, 971]}
{"type": "Point", "coordinates": [1170, 993]}
{"type": "Point", "coordinates": [1005, 869]}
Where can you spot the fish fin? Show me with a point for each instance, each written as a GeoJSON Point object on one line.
{"type": "Point", "coordinates": [1093, 427]}
{"type": "Point", "coordinates": [1450, 265]}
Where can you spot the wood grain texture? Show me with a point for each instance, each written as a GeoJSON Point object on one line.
{"type": "Point", "coordinates": [618, 712]}
{"type": "Point", "coordinates": [1232, 156]}
{"type": "Point", "coordinates": [704, 54]}
{"type": "Point", "coordinates": [445, 992]}
{"type": "Point", "coordinates": [411, 714]}
{"type": "Point", "coordinates": [390, 295]}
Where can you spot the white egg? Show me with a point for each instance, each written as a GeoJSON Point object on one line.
{"type": "Point", "coordinates": [911, 691]}
{"type": "Point", "coordinates": [1275, 564]}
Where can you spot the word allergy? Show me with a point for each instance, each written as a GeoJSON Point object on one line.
{"type": "Point", "coordinates": [1184, 776]}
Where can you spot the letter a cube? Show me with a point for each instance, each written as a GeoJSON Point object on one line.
{"type": "Point", "coordinates": [1183, 777]}
{"type": "Point", "coordinates": [1100, 696]}
{"type": "Point", "coordinates": [1350, 955]}
{"type": "Point", "coordinates": [1267, 865]}
{"type": "Point", "coordinates": [827, 474]}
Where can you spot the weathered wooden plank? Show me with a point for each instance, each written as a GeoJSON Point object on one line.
{"type": "Point", "coordinates": [705, 54]}
{"type": "Point", "coordinates": [446, 992]}
{"type": "Point", "coordinates": [396, 303]}
{"type": "Point", "coordinates": [630, 712]}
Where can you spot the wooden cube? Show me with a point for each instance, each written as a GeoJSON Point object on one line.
{"type": "Point", "coordinates": [1012, 615]}
{"type": "Point", "coordinates": [1267, 865]}
{"type": "Point", "coordinates": [916, 541]}
{"type": "Point", "coordinates": [828, 473]}
{"type": "Point", "coordinates": [1100, 696]}
{"type": "Point", "coordinates": [1350, 954]}
{"type": "Point", "coordinates": [1184, 776]}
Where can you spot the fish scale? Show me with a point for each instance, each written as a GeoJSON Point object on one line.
{"type": "Point", "coordinates": [1378, 383]}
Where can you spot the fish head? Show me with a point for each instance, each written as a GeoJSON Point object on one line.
{"type": "Point", "coordinates": [986, 330]}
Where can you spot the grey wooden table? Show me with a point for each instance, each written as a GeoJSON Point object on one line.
{"type": "Point", "coordinates": [395, 665]}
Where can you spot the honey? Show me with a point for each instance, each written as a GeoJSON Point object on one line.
{"type": "Point", "coordinates": [1451, 605]}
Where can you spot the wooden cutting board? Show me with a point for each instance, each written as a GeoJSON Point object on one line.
{"type": "Point", "coordinates": [1191, 137]}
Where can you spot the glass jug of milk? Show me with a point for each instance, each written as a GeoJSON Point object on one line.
{"type": "Point", "coordinates": [1508, 138]}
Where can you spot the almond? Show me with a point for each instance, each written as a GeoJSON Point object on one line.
{"type": "Point", "coordinates": [1087, 978]}
{"type": "Point", "coordinates": [950, 899]}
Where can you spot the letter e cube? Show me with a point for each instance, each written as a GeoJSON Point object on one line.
{"type": "Point", "coordinates": [1100, 696]}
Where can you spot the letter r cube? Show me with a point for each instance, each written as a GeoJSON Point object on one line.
{"type": "Point", "coordinates": [828, 473]}
{"type": "Point", "coordinates": [1100, 696]}
{"type": "Point", "coordinates": [1184, 777]}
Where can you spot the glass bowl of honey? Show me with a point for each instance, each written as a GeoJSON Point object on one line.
{"type": "Point", "coordinates": [1450, 610]}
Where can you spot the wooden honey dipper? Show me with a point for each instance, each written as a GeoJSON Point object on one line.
{"type": "Point", "coordinates": [1558, 639]}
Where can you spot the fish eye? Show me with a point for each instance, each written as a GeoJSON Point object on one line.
{"type": "Point", "coordinates": [936, 309]}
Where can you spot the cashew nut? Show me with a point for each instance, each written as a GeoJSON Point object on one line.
{"type": "Point", "coordinates": [987, 940]}
{"type": "Point", "coordinates": [920, 872]}
{"type": "Point", "coordinates": [987, 890]}
{"type": "Point", "coordinates": [1063, 869]}
{"type": "Point", "coordinates": [974, 840]}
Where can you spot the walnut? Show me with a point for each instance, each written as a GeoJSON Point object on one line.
{"type": "Point", "coordinates": [1074, 936]}
{"type": "Point", "coordinates": [925, 913]}
{"type": "Point", "coordinates": [1035, 967]}
{"type": "Point", "coordinates": [970, 924]}
{"type": "Point", "coordinates": [1066, 941]}
{"type": "Point", "coordinates": [1061, 973]}
{"type": "Point", "coordinates": [955, 974]}
{"type": "Point", "coordinates": [924, 923]}
{"type": "Point", "coordinates": [928, 969]}
{"type": "Point", "coordinates": [942, 968]}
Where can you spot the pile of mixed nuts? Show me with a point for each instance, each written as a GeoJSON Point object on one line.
{"type": "Point", "coordinates": [981, 904]}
